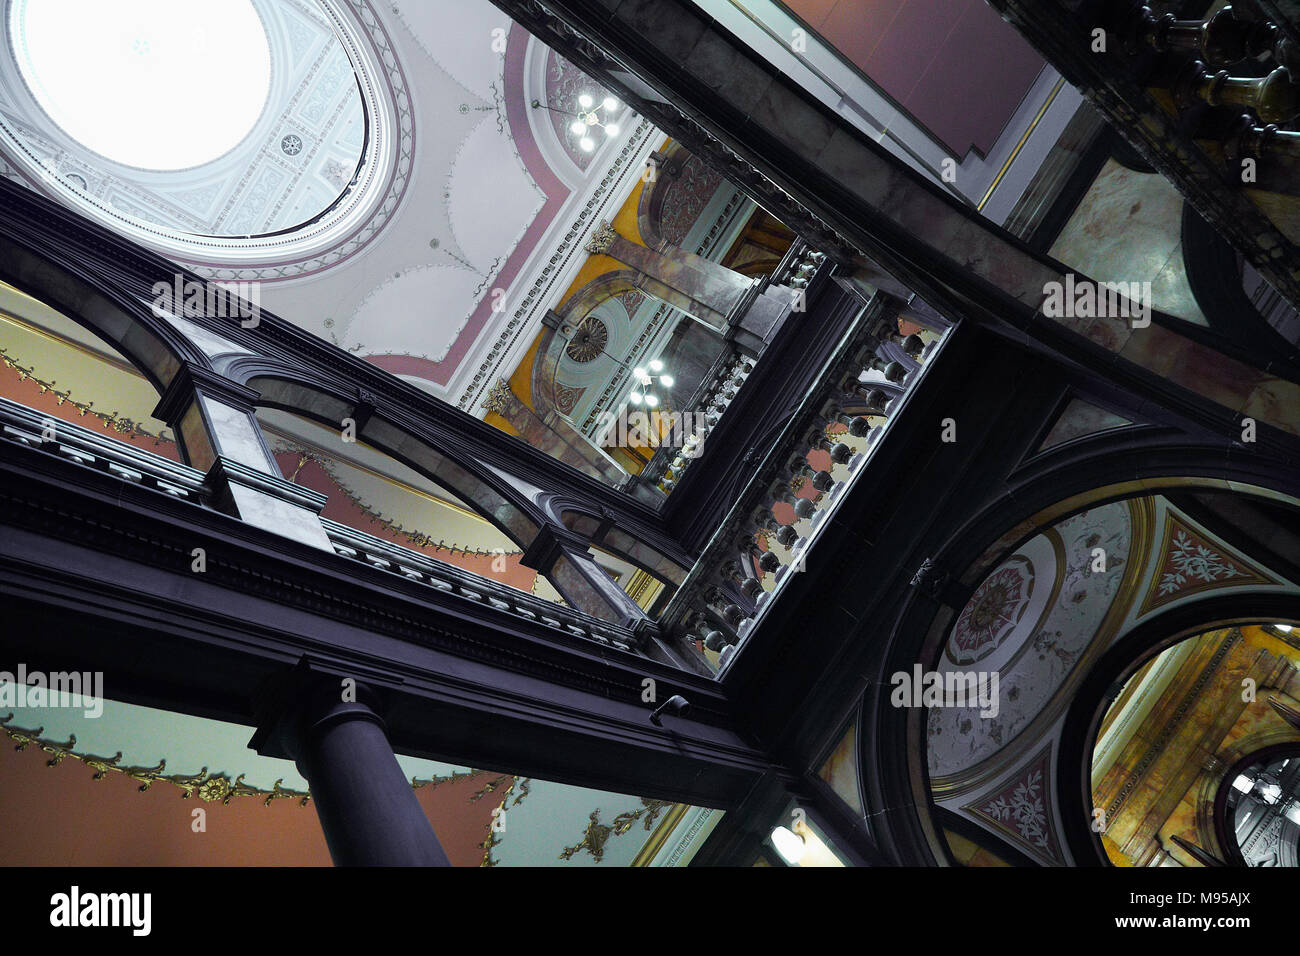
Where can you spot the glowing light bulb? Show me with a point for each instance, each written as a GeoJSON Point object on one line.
{"type": "Point", "coordinates": [656, 366]}
{"type": "Point", "coordinates": [578, 126]}
{"type": "Point", "coordinates": [585, 101]}
{"type": "Point", "coordinates": [652, 400]}
{"type": "Point", "coordinates": [587, 144]}
{"type": "Point", "coordinates": [666, 381]}
{"type": "Point", "coordinates": [610, 104]}
{"type": "Point", "coordinates": [611, 129]}
{"type": "Point", "coordinates": [789, 844]}
{"type": "Point", "coordinates": [636, 397]}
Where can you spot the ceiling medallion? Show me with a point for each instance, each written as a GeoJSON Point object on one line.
{"type": "Point", "coordinates": [291, 145]}
{"type": "Point", "coordinates": [589, 340]}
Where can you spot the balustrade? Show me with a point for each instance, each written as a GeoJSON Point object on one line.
{"type": "Point", "coordinates": [820, 453]}
{"type": "Point", "coordinates": [450, 586]}
{"type": "Point", "coordinates": [1195, 72]}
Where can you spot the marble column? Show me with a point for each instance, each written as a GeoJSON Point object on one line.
{"type": "Point", "coordinates": [552, 434]}
{"type": "Point", "coordinates": [367, 807]}
{"type": "Point", "coordinates": [704, 290]}
{"type": "Point", "coordinates": [565, 559]}
{"type": "Point", "coordinates": [215, 423]}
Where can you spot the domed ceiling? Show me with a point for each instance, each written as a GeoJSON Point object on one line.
{"type": "Point", "coordinates": [398, 192]}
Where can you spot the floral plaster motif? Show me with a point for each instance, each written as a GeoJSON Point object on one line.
{"type": "Point", "coordinates": [564, 84]}
{"type": "Point", "coordinates": [992, 612]}
{"type": "Point", "coordinates": [685, 198]}
{"type": "Point", "coordinates": [958, 738]}
{"type": "Point", "coordinates": [1021, 810]}
{"type": "Point", "coordinates": [1192, 562]}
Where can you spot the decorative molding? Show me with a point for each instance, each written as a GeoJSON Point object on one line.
{"type": "Point", "coordinates": [546, 278]}
{"type": "Point", "coordinates": [598, 834]}
{"type": "Point", "coordinates": [209, 787]}
{"type": "Point", "coordinates": [1192, 562]}
{"type": "Point", "coordinates": [602, 239]}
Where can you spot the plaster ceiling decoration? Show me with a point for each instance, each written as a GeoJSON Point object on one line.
{"type": "Point", "coordinates": [488, 221]}
{"type": "Point", "coordinates": [994, 610]}
{"type": "Point", "coordinates": [1192, 562]}
{"type": "Point", "coordinates": [270, 143]}
{"type": "Point", "coordinates": [589, 340]}
{"type": "Point", "coordinates": [686, 197]}
{"type": "Point", "coordinates": [398, 195]}
{"type": "Point", "coordinates": [167, 757]}
{"type": "Point", "coordinates": [1021, 809]}
{"type": "Point", "coordinates": [1070, 614]}
{"type": "Point", "coordinates": [420, 312]}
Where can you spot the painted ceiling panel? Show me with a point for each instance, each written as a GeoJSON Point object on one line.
{"type": "Point", "coordinates": [122, 788]}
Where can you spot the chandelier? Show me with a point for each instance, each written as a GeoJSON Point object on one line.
{"type": "Point", "coordinates": [587, 119]}
{"type": "Point", "coordinates": [645, 382]}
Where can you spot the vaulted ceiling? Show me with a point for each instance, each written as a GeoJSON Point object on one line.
{"type": "Point", "coordinates": [399, 195]}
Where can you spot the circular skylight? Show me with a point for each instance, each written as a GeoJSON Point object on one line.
{"type": "Point", "coordinates": [155, 84]}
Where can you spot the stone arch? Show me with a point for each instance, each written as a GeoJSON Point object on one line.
{"type": "Point", "coordinates": [389, 432]}
{"type": "Point", "coordinates": [111, 308]}
{"type": "Point", "coordinates": [1110, 467]}
{"type": "Point", "coordinates": [1120, 662]}
{"type": "Point", "coordinates": [568, 317]}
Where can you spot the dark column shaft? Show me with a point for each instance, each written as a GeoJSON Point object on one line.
{"type": "Point", "coordinates": [365, 803]}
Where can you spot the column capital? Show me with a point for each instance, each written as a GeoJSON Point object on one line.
{"type": "Point", "coordinates": [290, 706]}
{"type": "Point", "coordinates": [189, 380]}
{"type": "Point", "coordinates": [602, 239]}
{"type": "Point", "coordinates": [549, 544]}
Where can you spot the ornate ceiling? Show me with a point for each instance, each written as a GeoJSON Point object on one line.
{"type": "Point", "coordinates": [459, 210]}
{"type": "Point", "coordinates": [1041, 619]}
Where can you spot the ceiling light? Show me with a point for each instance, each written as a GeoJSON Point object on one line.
{"type": "Point", "coordinates": [1243, 783]}
{"type": "Point", "coordinates": [666, 381]}
{"type": "Point", "coordinates": [656, 366]}
{"type": "Point", "coordinates": [636, 397]}
{"type": "Point", "coordinates": [789, 844]}
{"type": "Point", "coordinates": [108, 73]}
{"type": "Point", "coordinates": [611, 129]}
{"type": "Point", "coordinates": [652, 400]}
{"type": "Point", "coordinates": [578, 127]}
{"type": "Point", "coordinates": [585, 101]}
{"type": "Point", "coordinates": [1283, 627]}
{"type": "Point", "coordinates": [587, 144]}
{"type": "Point", "coordinates": [610, 104]}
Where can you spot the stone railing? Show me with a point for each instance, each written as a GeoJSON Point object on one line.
{"type": "Point", "coordinates": [821, 451]}
{"type": "Point", "coordinates": [23, 426]}
{"type": "Point", "coordinates": [797, 269]}
{"type": "Point", "coordinates": [715, 397]}
{"type": "Point", "coordinates": [449, 586]}
{"type": "Point", "coordinates": [469, 589]}
{"type": "Point", "coordinates": [799, 265]}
